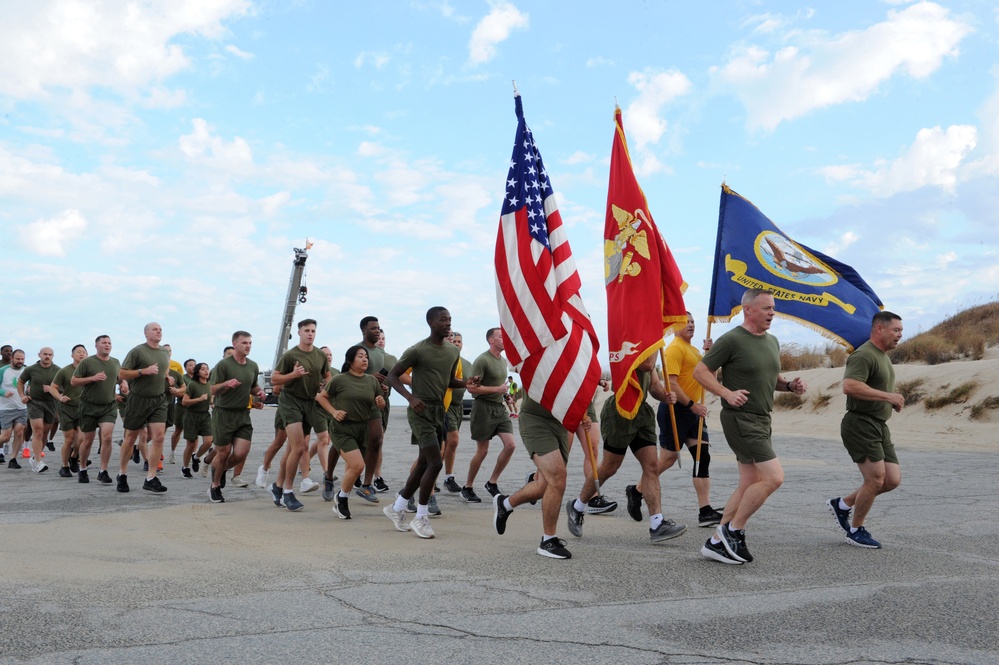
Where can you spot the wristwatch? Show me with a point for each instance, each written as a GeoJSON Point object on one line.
{"type": "Point", "coordinates": [690, 404]}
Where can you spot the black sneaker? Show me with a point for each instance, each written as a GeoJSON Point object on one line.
{"type": "Point", "coordinates": [74, 464]}
{"type": "Point", "coordinates": [341, 509]}
{"type": "Point", "coordinates": [145, 465]}
{"type": "Point", "coordinates": [357, 482]}
{"type": "Point", "coordinates": [135, 455]}
{"type": "Point", "coordinates": [381, 485]}
{"type": "Point", "coordinates": [291, 503]}
{"type": "Point", "coordinates": [469, 495]}
{"type": "Point", "coordinates": [104, 477]}
{"type": "Point", "coordinates": [3, 459]}
{"type": "Point", "coordinates": [554, 548]}
{"type": "Point", "coordinates": [329, 491]}
{"type": "Point", "coordinates": [741, 550]}
{"type": "Point", "coordinates": [730, 540]}
{"type": "Point", "coordinates": [222, 480]}
{"type": "Point", "coordinates": [153, 485]}
{"type": "Point", "coordinates": [634, 502]}
{"type": "Point", "coordinates": [842, 516]}
{"type": "Point", "coordinates": [83, 476]}
{"type": "Point", "coordinates": [195, 464]}
{"type": "Point", "coordinates": [64, 472]}
{"type": "Point", "coordinates": [500, 513]}
{"type": "Point", "coordinates": [708, 516]}
{"type": "Point", "coordinates": [50, 445]}
{"type": "Point", "coordinates": [574, 518]}
{"type": "Point", "coordinates": [12, 464]}
{"type": "Point", "coordinates": [718, 553]}
{"type": "Point", "coordinates": [122, 483]}
{"type": "Point", "coordinates": [527, 481]}
{"type": "Point", "coordinates": [215, 495]}
{"type": "Point", "coordinates": [450, 485]}
{"type": "Point", "coordinates": [599, 505]}
{"type": "Point", "coordinates": [492, 488]}
{"type": "Point", "coordinates": [278, 495]}
{"type": "Point", "coordinates": [186, 472]}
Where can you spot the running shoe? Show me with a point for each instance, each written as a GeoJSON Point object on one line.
{"type": "Point", "coordinates": [104, 477]}
{"type": "Point", "coordinates": [367, 492]}
{"type": "Point", "coordinates": [729, 541]}
{"type": "Point", "coordinates": [667, 530]}
{"type": "Point", "coordinates": [708, 516]}
{"type": "Point", "coordinates": [308, 485]}
{"type": "Point", "coordinates": [574, 519]}
{"type": "Point", "coordinates": [381, 485]}
{"type": "Point", "coordinates": [278, 495]}
{"type": "Point", "coordinates": [122, 483]}
{"type": "Point", "coordinates": [195, 464]}
{"type": "Point", "coordinates": [340, 508]}
{"type": "Point", "coordinates": [186, 472]}
{"type": "Point", "coordinates": [292, 503]}
{"type": "Point", "coordinates": [450, 485]}
{"type": "Point", "coordinates": [599, 505]}
{"type": "Point", "coordinates": [554, 548]}
{"type": "Point", "coordinates": [237, 481]}
{"type": "Point", "coordinates": [83, 476]}
{"type": "Point", "coordinates": [215, 495]}
{"type": "Point", "coordinates": [173, 460]}
{"type": "Point", "coordinates": [12, 464]}
{"type": "Point", "coordinates": [492, 488]}
{"type": "Point", "coordinates": [500, 513]}
{"type": "Point", "coordinates": [842, 516]}
{"type": "Point", "coordinates": [432, 506]}
{"type": "Point", "coordinates": [469, 495]}
{"type": "Point", "coordinates": [861, 538]}
{"type": "Point", "coordinates": [421, 527]}
{"type": "Point", "coordinates": [634, 502]}
{"type": "Point", "coordinates": [329, 490]}
{"type": "Point", "coordinates": [261, 479]}
{"type": "Point", "coordinates": [398, 518]}
{"type": "Point", "coordinates": [64, 472]}
{"type": "Point", "coordinates": [411, 505]}
{"type": "Point", "coordinates": [74, 464]}
{"type": "Point", "coordinates": [153, 485]}
{"type": "Point", "coordinates": [718, 553]}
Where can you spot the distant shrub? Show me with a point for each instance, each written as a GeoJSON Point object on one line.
{"type": "Point", "coordinates": [911, 391]}
{"type": "Point", "coordinates": [836, 354]}
{"type": "Point", "coordinates": [788, 401]}
{"type": "Point", "coordinates": [958, 395]}
{"type": "Point", "coordinates": [820, 401]}
{"type": "Point", "coordinates": [931, 349]}
{"type": "Point", "coordinates": [980, 410]}
{"type": "Point", "coordinates": [971, 344]}
{"type": "Point", "coordinates": [966, 334]}
{"type": "Point", "coordinates": [794, 357]}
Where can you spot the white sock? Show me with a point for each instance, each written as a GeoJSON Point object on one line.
{"type": "Point", "coordinates": [580, 506]}
{"type": "Point", "coordinates": [400, 503]}
{"type": "Point", "coordinates": [655, 521]}
{"type": "Point", "coordinates": [843, 506]}
{"type": "Point", "coordinates": [447, 476]}
{"type": "Point", "coordinates": [343, 495]}
{"type": "Point", "coordinates": [854, 529]}
{"type": "Point", "coordinates": [422, 510]}
{"type": "Point", "coordinates": [547, 537]}
{"type": "Point", "coordinates": [507, 504]}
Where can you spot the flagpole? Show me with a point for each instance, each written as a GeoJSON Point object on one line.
{"type": "Point", "coordinates": [700, 420]}
{"type": "Point", "coordinates": [672, 413]}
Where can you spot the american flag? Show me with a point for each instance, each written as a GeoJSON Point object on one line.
{"type": "Point", "coordinates": [548, 335]}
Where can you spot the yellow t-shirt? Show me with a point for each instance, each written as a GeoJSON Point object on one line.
{"type": "Point", "coordinates": [681, 359]}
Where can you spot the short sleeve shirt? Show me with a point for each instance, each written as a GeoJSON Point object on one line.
{"type": "Point", "coordinates": [196, 389]}
{"type": "Point", "coordinates": [63, 381]}
{"type": "Point", "coordinates": [433, 367]}
{"type": "Point", "coordinates": [681, 359]}
{"type": "Point", "coordinates": [748, 362]}
{"type": "Point", "coordinates": [493, 373]}
{"type": "Point", "coordinates": [140, 357]}
{"type": "Point", "coordinates": [315, 363]}
{"type": "Point", "coordinates": [246, 374]}
{"type": "Point", "coordinates": [98, 392]}
{"type": "Point", "coordinates": [38, 378]}
{"type": "Point", "coordinates": [870, 365]}
{"type": "Point", "coordinates": [354, 394]}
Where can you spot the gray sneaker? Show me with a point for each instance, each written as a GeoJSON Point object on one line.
{"type": "Point", "coordinates": [667, 531]}
{"type": "Point", "coordinates": [367, 492]}
{"type": "Point", "coordinates": [432, 506]}
{"type": "Point", "coordinates": [398, 518]}
{"type": "Point", "coordinates": [329, 490]}
{"type": "Point", "coordinates": [574, 519]}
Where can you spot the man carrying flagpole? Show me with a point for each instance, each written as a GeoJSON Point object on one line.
{"type": "Point", "coordinates": [548, 336]}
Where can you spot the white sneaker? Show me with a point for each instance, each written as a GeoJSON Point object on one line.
{"type": "Point", "coordinates": [398, 518]}
{"type": "Point", "coordinates": [262, 480]}
{"type": "Point", "coordinates": [31, 463]}
{"type": "Point", "coordinates": [421, 527]}
{"type": "Point", "coordinates": [39, 467]}
{"type": "Point", "coordinates": [205, 468]}
{"type": "Point", "coordinates": [172, 460]}
{"type": "Point", "coordinates": [237, 481]}
{"type": "Point", "coordinates": [308, 485]}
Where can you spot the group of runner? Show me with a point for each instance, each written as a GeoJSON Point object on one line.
{"type": "Point", "coordinates": [344, 411]}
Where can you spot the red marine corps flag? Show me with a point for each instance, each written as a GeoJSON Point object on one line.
{"type": "Point", "coordinates": [548, 335]}
{"type": "Point", "coordinates": [644, 286]}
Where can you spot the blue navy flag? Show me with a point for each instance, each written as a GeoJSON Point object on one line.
{"type": "Point", "coordinates": [810, 288]}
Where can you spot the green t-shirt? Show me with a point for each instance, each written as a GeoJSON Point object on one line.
{"type": "Point", "coordinates": [178, 382]}
{"type": "Point", "coordinates": [98, 392]}
{"type": "Point", "coordinates": [38, 378]}
{"type": "Point", "coordinates": [493, 373]}
{"type": "Point", "coordinates": [246, 374]}
{"type": "Point", "coordinates": [749, 362]}
{"type": "Point", "coordinates": [315, 363]}
{"type": "Point", "coordinates": [613, 424]}
{"type": "Point", "coordinates": [870, 365]}
{"type": "Point", "coordinates": [433, 367]}
{"type": "Point", "coordinates": [354, 394]}
{"type": "Point", "coordinates": [141, 357]}
{"type": "Point", "coordinates": [378, 360]}
{"type": "Point", "coordinates": [63, 381]}
{"type": "Point", "coordinates": [196, 389]}
{"type": "Point", "coordinates": [458, 394]}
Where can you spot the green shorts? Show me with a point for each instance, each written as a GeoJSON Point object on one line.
{"type": "Point", "coordinates": [140, 411]}
{"type": "Point", "coordinates": [489, 419]}
{"type": "Point", "coordinates": [542, 434]}
{"type": "Point", "coordinates": [620, 434]}
{"type": "Point", "coordinates": [197, 423]}
{"type": "Point", "coordinates": [69, 416]}
{"type": "Point", "coordinates": [867, 438]}
{"type": "Point", "coordinates": [178, 414]}
{"type": "Point", "coordinates": [455, 415]}
{"type": "Point", "coordinates": [231, 424]}
{"type": "Point", "coordinates": [428, 428]}
{"type": "Point", "coordinates": [591, 411]}
{"type": "Point", "coordinates": [171, 406]}
{"type": "Point", "coordinates": [43, 410]}
{"type": "Point", "coordinates": [748, 435]}
{"type": "Point", "coordinates": [91, 415]}
{"type": "Point", "coordinates": [293, 410]}
{"type": "Point", "coordinates": [349, 435]}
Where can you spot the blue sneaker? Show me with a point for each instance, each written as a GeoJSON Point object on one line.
{"type": "Point", "coordinates": [861, 538]}
{"type": "Point", "coordinates": [291, 503]}
{"type": "Point", "coordinates": [278, 494]}
{"type": "Point", "coordinates": [842, 516]}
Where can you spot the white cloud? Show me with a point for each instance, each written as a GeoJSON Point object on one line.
{"type": "Point", "coordinates": [239, 53]}
{"type": "Point", "coordinates": [836, 247]}
{"type": "Point", "coordinates": [816, 71]}
{"type": "Point", "coordinates": [599, 61]}
{"type": "Point", "coordinates": [933, 159]}
{"type": "Point", "coordinates": [317, 82]}
{"type": "Point", "coordinates": [203, 146]}
{"type": "Point", "coordinates": [655, 90]}
{"type": "Point", "coordinates": [578, 157]}
{"type": "Point", "coordinates": [376, 58]}
{"type": "Point", "coordinates": [273, 203]}
{"type": "Point", "coordinates": [494, 29]}
{"type": "Point", "coordinates": [370, 149]}
{"type": "Point", "coordinates": [51, 237]}
{"type": "Point", "coordinates": [76, 44]}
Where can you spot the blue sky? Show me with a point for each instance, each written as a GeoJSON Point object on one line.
{"type": "Point", "coordinates": [159, 160]}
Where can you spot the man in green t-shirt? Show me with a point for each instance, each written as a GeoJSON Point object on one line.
{"type": "Point", "coordinates": [41, 406]}
{"type": "Point", "coordinates": [67, 399]}
{"type": "Point", "coordinates": [489, 416]}
{"type": "Point", "coordinates": [97, 376]}
{"type": "Point", "coordinates": [455, 416]}
{"type": "Point", "coordinates": [234, 384]}
{"type": "Point", "coordinates": [300, 373]}
{"type": "Point", "coordinates": [434, 363]}
{"type": "Point", "coordinates": [146, 368]}
{"type": "Point", "coordinates": [750, 359]}
{"type": "Point", "coordinates": [869, 385]}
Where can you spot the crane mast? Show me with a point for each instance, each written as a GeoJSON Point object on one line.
{"type": "Point", "coordinates": [296, 294]}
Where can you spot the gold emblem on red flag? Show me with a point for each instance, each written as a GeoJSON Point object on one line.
{"type": "Point", "coordinates": [619, 253]}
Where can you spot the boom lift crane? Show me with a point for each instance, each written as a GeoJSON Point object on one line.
{"type": "Point", "coordinates": [297, 292]}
